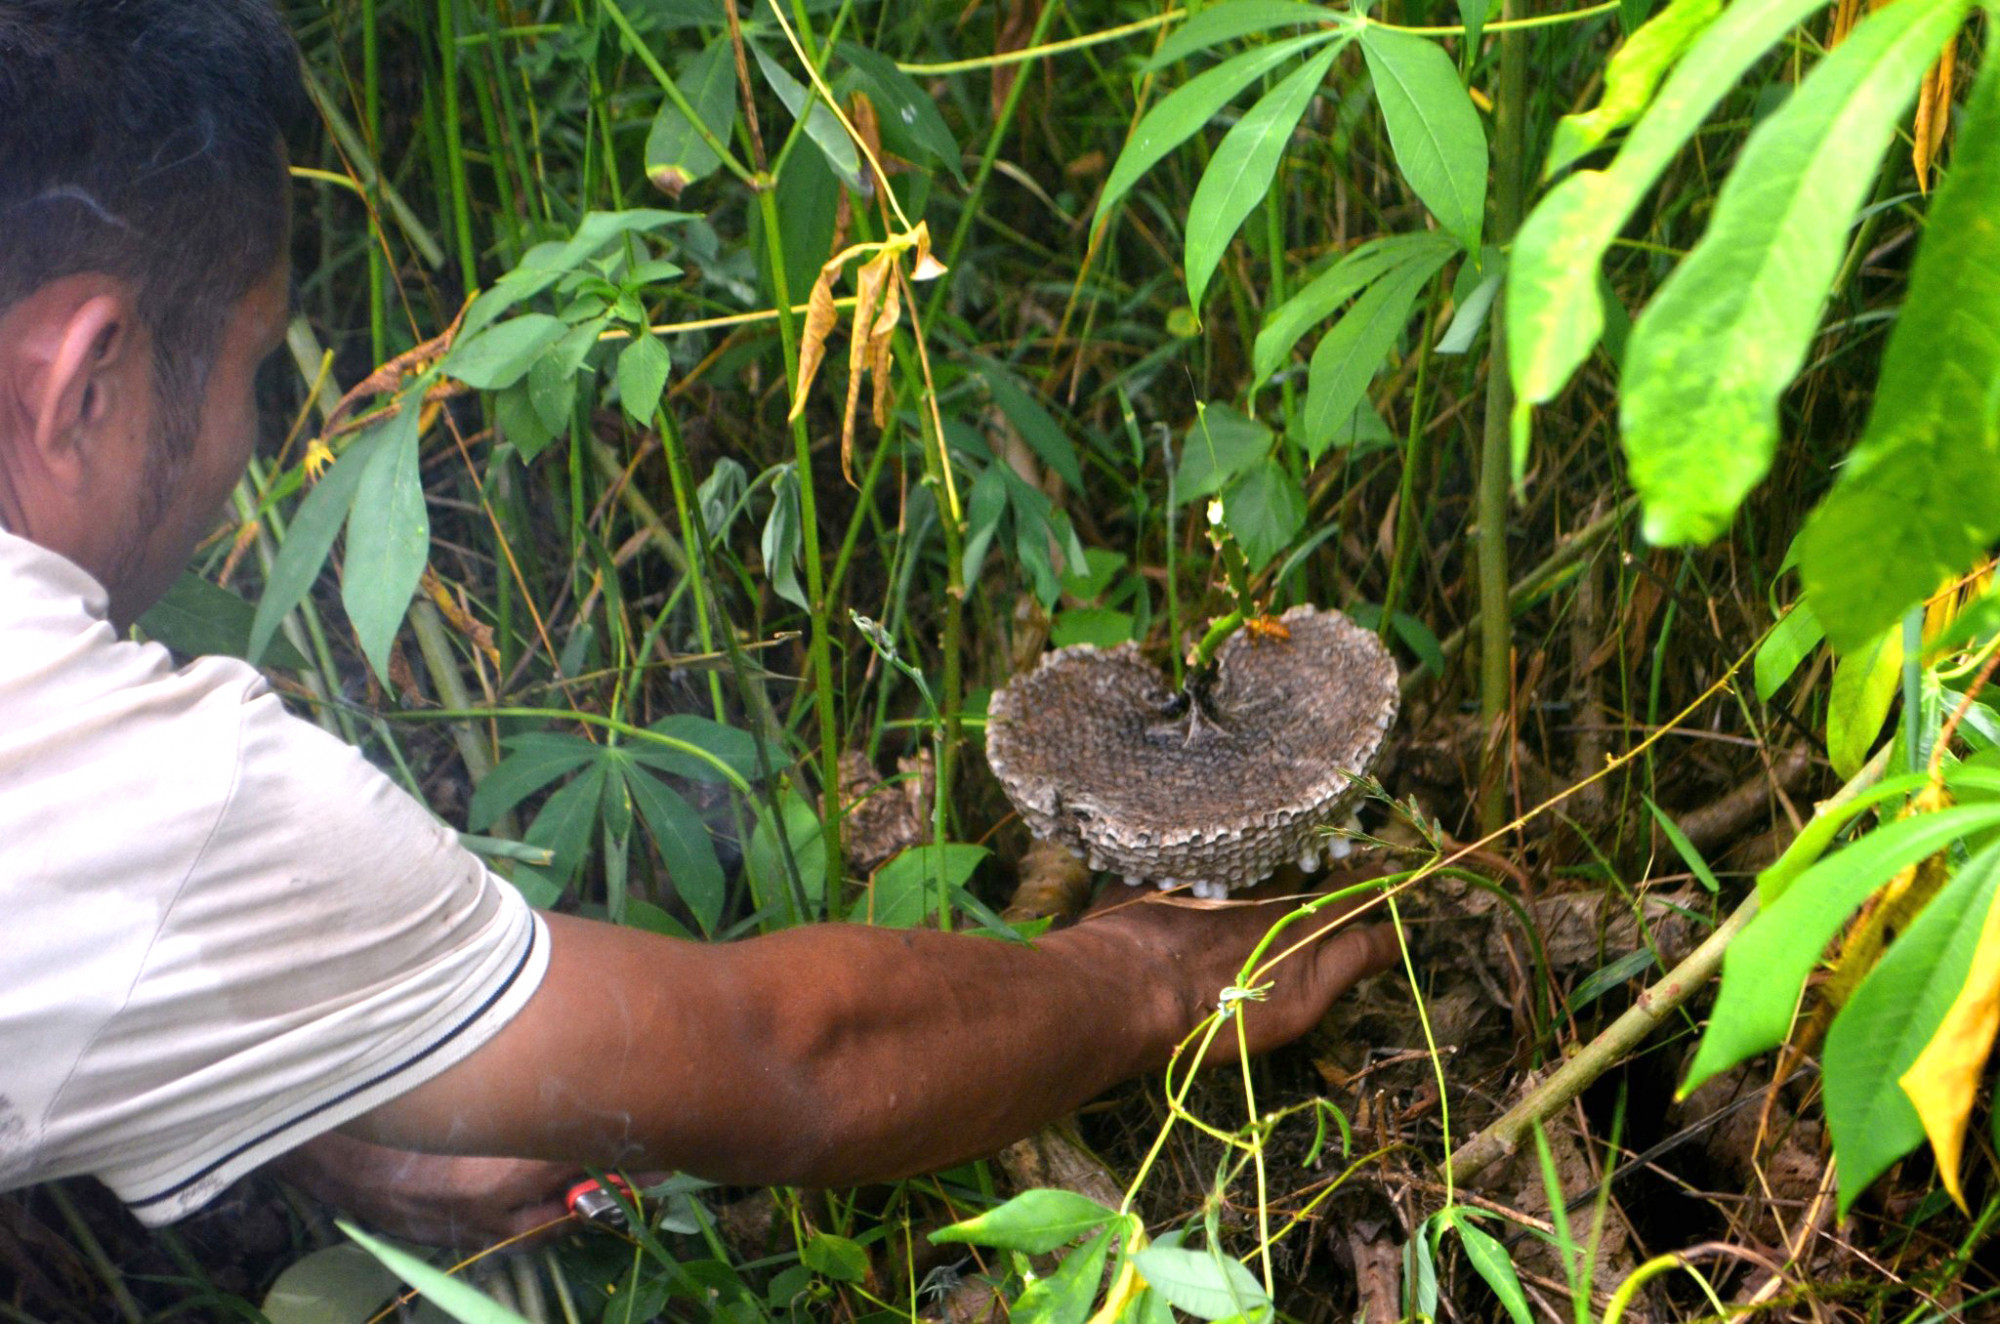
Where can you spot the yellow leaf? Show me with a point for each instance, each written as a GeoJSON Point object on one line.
{"type": "Point", "coordinates": [1126, 1287]}
{"type": "Point", "coordinates": [926, 267]}
{"type": "Point", "coordinates": [880, 337]}
{"type": "Point", "coordinates": [868, 285]}
{"type": "Point", "coordinates": [317, 457]}
{"type": "Point", "coordinates": [820, 319]}
{"type": "Point", "coordinates": [1944, 1080]}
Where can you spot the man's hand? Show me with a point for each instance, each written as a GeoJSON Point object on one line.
{"type": "Point", "coordinates": [1198, 949]}
{"type": "Point", "coordinates": [834, 1054]}
{"type": "Point", "coordinates": [438, 1200]}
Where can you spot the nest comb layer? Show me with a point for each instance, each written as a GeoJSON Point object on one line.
{"type": "Point", "coordinates": [1102, 756]}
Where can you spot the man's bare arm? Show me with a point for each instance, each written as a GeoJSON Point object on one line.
{"type": "Point", "coordinates": [839, 1053]}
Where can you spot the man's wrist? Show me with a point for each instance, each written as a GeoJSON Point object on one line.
{"type": "Point", "coordinates": [1140, 979]}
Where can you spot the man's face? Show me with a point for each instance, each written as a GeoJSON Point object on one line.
{"type": "Point", "coordinates": [225, 438]}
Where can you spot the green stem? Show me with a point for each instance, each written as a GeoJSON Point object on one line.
{"type": "Point", "coordinates": [822, 624]}
{"type": "Point", "coordinates": [454, 146]}
{"type": "Point", "coordinates": [1415, 456]}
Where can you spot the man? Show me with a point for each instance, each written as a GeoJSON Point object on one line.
{"type": "Point", "coordinates": [230, 939]}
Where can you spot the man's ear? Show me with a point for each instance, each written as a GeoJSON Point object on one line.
{"type": "Point", "coordinates": [86, 370]}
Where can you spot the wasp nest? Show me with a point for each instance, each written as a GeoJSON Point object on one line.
{"type": "Point", "coordinates": [1213, 789]}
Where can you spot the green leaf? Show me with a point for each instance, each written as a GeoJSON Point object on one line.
{"type": "Point", "coordinates": [311, 536]}
{"type": "Point", "coordinates": [1554, 314]}
{"type": "Point", "coordinates": [911, 124]}
{"type": "Point", "coordinates": [1216, 24]}
{"type": "Point", "coordinates": [1767, 965]}
{"type": "Point", "coordinates": [1488, 1259]}
{"type": "Point", "coordinates": [684, 845]}
{"type": "Point", "coordinates": [1221, 444]}
{"type": "Point", "coordinates": [1864, 686]}
{"type": "Point", "coordinates": [333, 1285]}
{"type": "Point", "coordinates": [822, 126]}
{"type": "Point", "coordinates": [1091, 625]}
{"type": "Point", "coordinates": [566, 819]}
{"type": "Point", "coordinates": [642, 376]}
{"type": "Point", "coordinates": [1188, 109]}
{"type": "Point", "coordinates": [1731, 326]}
{"type": "Point", "coordinates": [904, 892]}
{"type": "Point", "coordinates": [1682, 846]}
{"type": "Point", "coordinates": [1790, 642]}
{"type": "Point", "coordinates": [764, 860]}
{"type": "Point", "coordinates": [835, 1257]}
{"type": "Point", "coordinates": [545, 264]}
{"type": "Point", "coordinates": [1351, 351]}
{"type": "Point", "coordinates": [1472, 15]}
{"type": "Point", "coordinates": [1033, 1222]}
{"type": "Point", "coordinates": [1440, 144]}
{"type": "Point", "coordinates": [1065, 1296]}
{"type": "Point", "coordinates": [1316, 300]}
{"type": "Point", "coordinates": [1033, 421]}
{"type": "Point", "coordinates": [1265, 509]}
{"type": "Point", "coordinates": [456, 1299]}
{"type": "Point", "coordinates": [501, 355]}
{"type": "Point", "coordinates": [735, 748]}
{"type": "Point", "coordinates": [1919, 499]}
{"type": "Point", "coordinates": [1206, 1284]}
{"type": "Point", "coordinates": [388, 537]}
{"type": "Point", "coordinates": [1241, 171]}
{"type": "Point", "coordinates": [533, 761]}
{"type": "Point", "coordinates": [784, 536]}
{"type": "Point", "coordinates": [1629, 80]}
{"type": "Point", "coordinates": [1889, 1020]}
{"type": "Point", "coordinates": [203, 619]}
{"type": "Point", "coordinates": [676, 155]}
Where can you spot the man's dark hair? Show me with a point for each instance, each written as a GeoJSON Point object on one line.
{"type": "Point", "coordinates": [144, 139]}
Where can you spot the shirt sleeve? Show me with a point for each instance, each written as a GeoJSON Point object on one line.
{"type": "Point", "coordinates": [333, 946]}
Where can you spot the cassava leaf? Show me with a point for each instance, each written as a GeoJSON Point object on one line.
{"type": "Point", "coordinates": [1319, 297]}
{"type": "Point", "coordinates": [532, 762]}
{"type": "Point", "coordinates": [1439, 143]}
{"type": "Point", "coordinates": [1240, 172]}
{"type": "Point", "coordinates": [1554, 314]}
{"type": "Point", "coordinates": [684, 846]}
{"type": "Point", "coordinates": [1187, 109]}
{"type": "Point", "coordinates": [1768, 963]}
{"type": "Point", "coordinates": [1883, 1028]}
{"type": "Point", "coordinates": [1943, 1083]}
{"type": "Point", "coordinates": [1790, 642]}
{"type": "Point", "coordinates": [388, 537]}
{"type": "Point", "coordinates": [1864, 686]}
{"type": "Point", "coordinates": [1919, 498]}
{"type": "Point", "coordinates": [905, 891]}
{"type": "Point", "coordinates": [1629, 80]}
{"type": "Point", "coordinates": [1731, 326]}
{"type": "Point", "coordinates": [1349, 353]}
{"type": "Point", "coordinates": [1216, 24]}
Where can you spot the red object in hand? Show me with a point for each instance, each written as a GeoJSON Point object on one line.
{"type": "Point", "coordinates": [592, 1201]}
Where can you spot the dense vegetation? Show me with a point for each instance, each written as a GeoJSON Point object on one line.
{"type": "Point", "coordinates": [827, 362]}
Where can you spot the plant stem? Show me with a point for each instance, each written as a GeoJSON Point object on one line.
{"type": "Point", "coordinates": [1494, 644]}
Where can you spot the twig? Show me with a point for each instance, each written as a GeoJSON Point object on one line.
{"type": "Point", "coordinates": [1626, 1033]}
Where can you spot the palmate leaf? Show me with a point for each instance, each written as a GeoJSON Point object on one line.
{"type": "Point", "coordinates": [1439, 143]}
{"type": "Point", "coordinates": [1731, 326]}
{"type": "Point", "coordinates": [1891, 1017]}
{"type": "Point", "coordinates": [1943, 1083]}
{"type": "Point", "coordinates": [1767, 965]}
{"type": "Point", "coordinates": [1629, 80]}
{"type": "Point", "coordinates": [1554, 314]}
{"type": "Point", "coordinates": [1318, 298]}
{"type": "Point", "coordinates": [1347, 356]}
{"type": "Point", "coordinates": [683, 842]}
{"type": "Point", "coordinates": [1240, 172]}
{"type": "Point", "coordinates": [1920, 496]}
{"type": "Point", "coordinates": [532, 762]}
{"type": "Point", "coordinates": [1186, 110]}
{"type": "Point", "coordinates": [388, 536]}
{"type": "Point", "coordinates": [1216, 24]}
